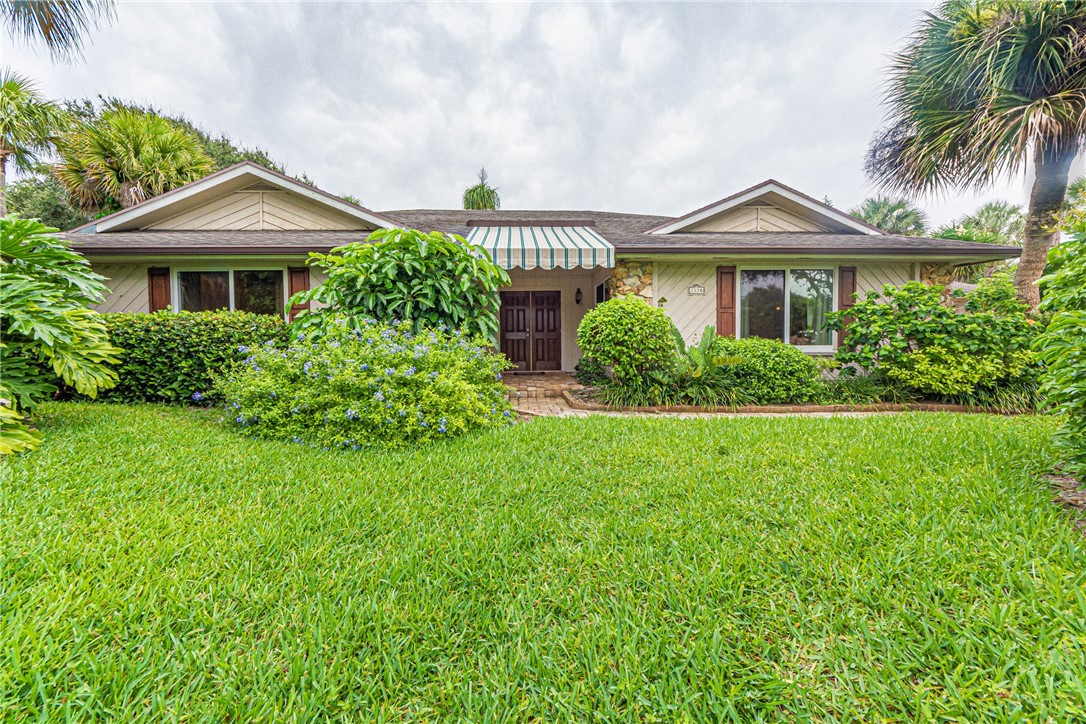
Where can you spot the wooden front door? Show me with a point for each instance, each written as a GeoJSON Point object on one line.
{"type": "Point", "coordinates": [531, 329]}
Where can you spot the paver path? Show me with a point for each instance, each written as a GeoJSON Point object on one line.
{"type": "Point", "coordinates": [558, 407]}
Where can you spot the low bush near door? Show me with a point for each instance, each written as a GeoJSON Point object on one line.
{"type": "Point", "coordinates": [771, 372]}
{"type": "Point", "coordinates": [378, 386]}
{"type": "Point", "coordinates": [630, 337]}
{"type": "Point", "coordinates": [172, 357]}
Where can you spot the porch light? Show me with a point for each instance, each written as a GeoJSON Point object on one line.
{"type": "Point", "coordinates": [578, 296]}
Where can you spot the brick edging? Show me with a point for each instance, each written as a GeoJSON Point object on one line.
{"type": "Point", "coordinates": [780, 409]}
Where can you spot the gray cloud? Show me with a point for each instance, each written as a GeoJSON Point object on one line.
{"type": "Point", "coordinates": [653, 108]}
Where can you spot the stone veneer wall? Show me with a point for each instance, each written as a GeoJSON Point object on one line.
{"type": "Point", "coordinates": [631, 277]}
{"type": "Point", "coordinates": [936, 274]}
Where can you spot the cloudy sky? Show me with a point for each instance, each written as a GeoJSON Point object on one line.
{"type": "Point", "coordinates": [654, 108]}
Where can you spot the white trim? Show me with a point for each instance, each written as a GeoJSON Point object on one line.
{"type": "Point", "coordinates": [175, 281]}
{"type": "Point", "coordinates": [813, 349]}
{"type": "Point", "coordinates": [211, 182]}
{"type": "Point", "coordinates": [759, 191]}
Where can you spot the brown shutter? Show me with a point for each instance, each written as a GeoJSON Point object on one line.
{"type": "Point", "coordinates": [725, 301]}
{"type": "Point", "coordinates": [158, 288]}
{"type": "Point", "coordinates": [846, 288]}
{"type": "Point", "coordinates": [298, 281]}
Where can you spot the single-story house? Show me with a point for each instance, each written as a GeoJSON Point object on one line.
{"type": "Point", "coordinates": [767, 261]}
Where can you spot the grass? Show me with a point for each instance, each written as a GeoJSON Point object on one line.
{"type": "Point", "coordinates": [911, 567]}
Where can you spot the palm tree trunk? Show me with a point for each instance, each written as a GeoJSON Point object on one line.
{"type": "Point", "coordinates": [3, 184]}
{"type": "Point", "coordinates": [1051, 168]}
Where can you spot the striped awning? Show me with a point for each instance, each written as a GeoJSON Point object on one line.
{"type": "Point", "coordinates": [544, 247]}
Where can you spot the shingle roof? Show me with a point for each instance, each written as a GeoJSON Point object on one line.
{"type": "Point", "coordinates": [625, 231]}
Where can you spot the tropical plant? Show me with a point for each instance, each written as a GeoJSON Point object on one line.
{"type": "Point", "coordinates": [629, 336]}
{"type": "Point", "coordinates": [374, 386]}
{"type": "Point", "coordinates": [427, 279]}
{"type": "Point", "coordinates": [47, 331]}
{"type": "Point", "coordinates": [980, 88]}
{"type": "Point", "coordinates": [700, 374]}
{"type": "Point", "coordinates": [482, 196]}
{"type": "Point", "coordinates": [60, 25]}
{"type": "Point", "coordinates": [40, 196]}
{"type": "Point", "coordinates": [892, 215]}
{"type": "Point", "coordinates": [125, 157]}
{"type": "Point", "coordinates": [996, 222]}
{"type": "Point", "coordinates": [28, 126]}
{"type": "Point", "coordinates": [1062, 346]}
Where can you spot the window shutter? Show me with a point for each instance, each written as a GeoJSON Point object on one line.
{"type": "Point", "coordinates": [725, 301]}
{"type": "Point", "coordinates": [298, 279]}
{"type": "Point", "coordinates": [158, 288]}
{"type": "Point", "coordinates": [846, 288]}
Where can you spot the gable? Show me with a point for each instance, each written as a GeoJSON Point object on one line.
{"type": "Point", "coordinates": [259, 210]}
{"type": "Point", "coordinates": [757, 216]}
{"type": "Point", "coordinates": [767, 207]}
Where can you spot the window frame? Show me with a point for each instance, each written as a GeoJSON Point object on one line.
{"type": "Point", "coordinates": [175, 281]}
{"type": "Point", "coordinates": [787, 269]}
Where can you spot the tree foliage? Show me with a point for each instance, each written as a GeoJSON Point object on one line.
{"type": "Point", "coordinates": [40, 196]}
{"type": "Point", "coordinates": [47, 330]}
{"type": "Point", "coordinates": [482, 196]}
{"type": "Point", "coordinates": [893, 215]}
{"type": "Point", "coordinates": [427, 279]}
{"type": "Point", "coordinates": [28, 126]}
{"type": "Point", "coordinates": [60, 25]}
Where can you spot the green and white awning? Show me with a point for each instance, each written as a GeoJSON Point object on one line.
{"type": "Point", "coordinates": [544, 247]}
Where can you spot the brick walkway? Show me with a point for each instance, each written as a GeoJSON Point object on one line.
{"type": "Point", "coordinates": [541, 385]}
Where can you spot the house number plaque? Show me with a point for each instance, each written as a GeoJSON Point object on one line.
{"type": "Point", "coordinates": [696, 290]}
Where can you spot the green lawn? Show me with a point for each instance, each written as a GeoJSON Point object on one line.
{"type": "Point", "coordinates": [155, 566]}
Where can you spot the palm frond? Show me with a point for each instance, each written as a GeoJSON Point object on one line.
{"type": "Point", "coordinates": [61, 25]}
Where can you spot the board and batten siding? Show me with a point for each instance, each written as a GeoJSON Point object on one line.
{"type": "Point", "coordinates": [258, 211]}
{"type": "Point", "coordinates": [691, 314]}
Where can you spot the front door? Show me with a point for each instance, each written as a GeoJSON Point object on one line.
{"type": "Point", "coordinates": [531, 329]}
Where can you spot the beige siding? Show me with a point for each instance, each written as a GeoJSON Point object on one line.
{"type": "Point", "coordinates": [872, 277]}
{"type": "Point", "coordinates": [672, 282]}
{"type": "Point", "coordinates": [127, 287]}
{"type": "Point", "coordinates": [566, 282]}
{"type": "Point", "coordinates": [757, 218]}
{"type": "Point", "coordinates": [259, 210]}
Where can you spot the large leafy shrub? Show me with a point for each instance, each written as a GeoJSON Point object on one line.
{"type": "Point", "coordinates": [1062, 346]}
{"type": "Point", "coordinates": [47, 330]}
{"type": "Point", "coordinates": [628, 335]}
{"type": "Point", "coordinates": [907, 334]}
{"type": "Point", "coordinates": [172, 357]}
{"type": "Point", "coordinates": [769, 371]}
{"type": "Point", "coordinates": [428, 280]}
{"type": "Point", "coordinates": [375, 386]}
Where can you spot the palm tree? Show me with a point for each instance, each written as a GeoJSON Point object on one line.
{"type": "Point", "coordinates": [892, 215]}
{"type": "Point", "coordinates": [980, 88]}
{"type": "Point", "coordinates": [28, 125]}
{"type": "Point", "coordinates": [482, 196]}
{"type": "Point", "coordinates": [125, 157]}
{"type": "Point", "coordinates": [996, 222]}
{"type": "Point", "coordinates": [60, 24]}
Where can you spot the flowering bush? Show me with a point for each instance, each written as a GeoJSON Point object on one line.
{"type": "Point", "coordinates": [374, 386]}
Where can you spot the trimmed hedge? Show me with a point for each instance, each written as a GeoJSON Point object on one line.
{"type": "Point", "coordinates": [172, 357]}
{"type": "Point", "coordinates": [771, 372]}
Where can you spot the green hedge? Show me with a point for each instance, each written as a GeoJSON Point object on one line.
{"type": "Point", "coordinates": [771, 372]}
{"type": "Point", "coordinates": [171, 357]}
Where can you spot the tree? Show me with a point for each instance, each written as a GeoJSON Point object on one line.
{"type": "Point", "coordinates": [47, 329]}
{"type": "Point", "coordinates": [60, 25]}
{"type": "Point", "coordinates": [980, 88]}
{"type": "Point", "coordinates": [28, 126]}
{"type": "Point", "coordinates": [892, 215]}
{"type": "Point", "coordinates": [482, 196]}
{"type": "Point", "coordinates": [996, 222]}
{"type": "Point", "coordinates": [125, 157]}
{"type": "Point", "coordinates": [40, 196]}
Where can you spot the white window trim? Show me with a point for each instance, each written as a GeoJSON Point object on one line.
{"type": "Point", "coordinates": [175, 281]}
{"type": "Point", "coordinates": [807, 348]}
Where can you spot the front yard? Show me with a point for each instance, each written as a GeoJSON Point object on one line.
{"type": "Point", "coordinates": [154, 565]}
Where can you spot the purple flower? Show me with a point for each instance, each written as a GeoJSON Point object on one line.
{"type": "Point", "coordinates": [378, 395]}
{"type": "Point", "coordinates": [352, 415]}
{"type": "Point", "coordinates": [409, 371]}
{"type": "Point", "coordinates": [390, 371]}
{"type": "Point", "coordinates": [243, 349]}
{"type": "Point", "coordinates": [197, 397]}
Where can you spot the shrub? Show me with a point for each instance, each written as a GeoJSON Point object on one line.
{"type": "Point", "coordinates": [429, 280]}
{"type": "Point", "coordinates": [1062, 346]}
{"type": "Point", "coordinates": [702, 374]}
{"type": "Point", "coordinates": [909, 335]}
{"type": "Point", "coordinates": [48, 334]}
{"type": "Point", "coordinates": [378, 386]}
{"type": "Point", "coordinates": [629, 336]}
{"type": "Point", "coordinates": [591, 373]}
{"type": "Point", "coordinates": [173, 357]}
{"type": "Point", "coordinates": [771, 372]}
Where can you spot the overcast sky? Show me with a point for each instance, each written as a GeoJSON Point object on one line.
{"type": "Point", "coordinates": [647, 108]}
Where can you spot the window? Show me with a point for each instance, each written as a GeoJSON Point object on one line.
{"type": "Point", "coordinates": [259, 291]}
{"type": "Point", "coordinates": [787, 304]}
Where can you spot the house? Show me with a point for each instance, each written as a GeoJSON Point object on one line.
{"type": "Point", "coordinates": [767, 261]}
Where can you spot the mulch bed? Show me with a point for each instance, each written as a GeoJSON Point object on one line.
{"type": "Point", "coordinates": [1070, 494]}
{"type": "Point", "coordinates": [584, 399]}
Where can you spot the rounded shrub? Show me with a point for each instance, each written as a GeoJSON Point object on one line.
{"type": "Point", "coordinates": [771, 372]}
{"type": "Point", "coordinates": [629, 336]}
{"type": "Point", "coordinates": [172, 357]}
{"type": "Point", "coordinates": [372, 386]}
